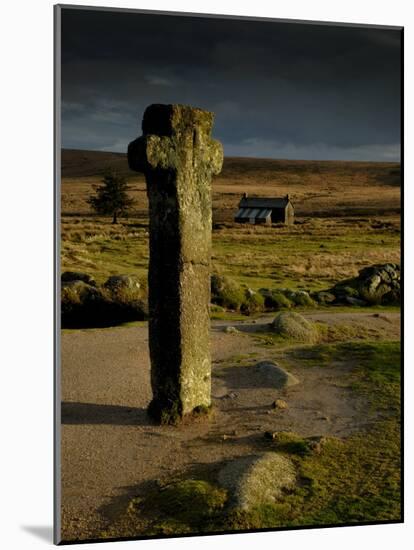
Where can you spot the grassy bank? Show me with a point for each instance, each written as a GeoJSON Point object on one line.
{"type": "Point", "coordinates": [312, 255]}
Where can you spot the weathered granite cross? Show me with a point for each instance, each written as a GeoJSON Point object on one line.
{"type": "Point", "coordinates": [178, 157]}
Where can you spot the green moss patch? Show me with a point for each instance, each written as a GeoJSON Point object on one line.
{"type": "Point", "coordinates": [191, 505]}
{"type": "Point", "coordinates": [347, 481]}
{"type": "Point", "coordinates": [290, 442]}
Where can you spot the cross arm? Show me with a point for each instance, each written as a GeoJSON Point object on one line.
{"type": "Point", "coordinates": [149, 152]}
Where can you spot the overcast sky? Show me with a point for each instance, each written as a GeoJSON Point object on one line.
{"type": "Point", "coordinates": [278, 90]}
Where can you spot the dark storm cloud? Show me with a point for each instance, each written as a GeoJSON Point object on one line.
{"type": "Point", "coordinates": [278, 90]}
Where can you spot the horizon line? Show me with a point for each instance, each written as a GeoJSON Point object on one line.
{"type": "Point", "coordinates": [247, 157]}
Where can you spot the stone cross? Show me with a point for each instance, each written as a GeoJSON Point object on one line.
{"type": "Point", "coordinates": [178, 157]}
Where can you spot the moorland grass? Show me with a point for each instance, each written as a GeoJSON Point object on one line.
{"type": "Point", "coordinates": [345, 481]}
{"type": "Point", "coordinates": [353, 480]}
{"type": "Point", "coordinates": [312, 256]}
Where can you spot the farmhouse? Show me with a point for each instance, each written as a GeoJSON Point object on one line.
{"type": "Point", "coordinates": [265, 210]}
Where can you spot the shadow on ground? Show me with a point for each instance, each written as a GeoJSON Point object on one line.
{"type": "Point", "coordinates": [116, 515]}
{"type": "Point", "coordinates": [43, 532]}
{"type": "Point", "coordinates": [92, 413]}
{"type": "Point", "coordinates": [250, 377]}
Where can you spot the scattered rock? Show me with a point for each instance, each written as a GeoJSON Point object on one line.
{"type": "Point", "coordinates": [382, 317]}
{"type": "Point", "coordinates": [355, 301]}
{"type": "Point", "coordinates": [324, 297]}
{"type": "Point", "coordinates": [257, 480]}
{"type": "Point", "coordinates": [280, 404]}
{"type": "Point", "coordinates": [270, 374]}
{"type": "Point", "coordinates": [301, 298]}
{"type": "Point", "coordinates": [376, 284]}
{"type": "Point", "coordinates": [71, 276]}
{"type": "Point", "coordinates": [80, 291]}
{"type": "Point", "coordinates": [316, 443]}
{"type": "Point", "coordinates": [231, 330]}
{"type": "Point", "coordinates": [84, 305]}
{"type": "Point", "coordinates": [290, 324]}
{"type": "Point", "coordinates": [276, 436]}
{"type": "Point", "coordinates": [230, 395]}
{"type": "Point", "coordinates": [118, 282]}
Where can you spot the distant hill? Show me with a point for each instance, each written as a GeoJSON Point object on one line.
{"type": "Point", "coordinates": [323, 188]}
{"type": "Point", "coordinates": [79, 163]}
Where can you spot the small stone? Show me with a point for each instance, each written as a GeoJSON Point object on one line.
{"type": "Point", "coordinates": [355, 301]}
{"type": "Point", "coordinates": [316, 443]}
{"type": "Point", "coordinates": [231, 330]}
{"type": "Point", "coordinates": [324, 297]}
{"type": "Point", "coordinates": [231, 395]}
{"type": "Point", "coordinates": [279, 404]}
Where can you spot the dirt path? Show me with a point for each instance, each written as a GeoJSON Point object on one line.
{"type": "Point", "coordinates": [111, 450]}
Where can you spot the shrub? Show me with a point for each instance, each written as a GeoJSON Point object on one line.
{"type": "Point", "coordinates": [277, 300]}
{"type": "Point", "coordinates": [226, 293]}
{"type": "Point", "coordinates": [83, 305]}
{"type": "Point", "coordinates": [303, 299]}
{"type": "Point", "coordinates": [290, 442]}
{"type": "Point", "coordinates": [253, 303]}
{"type": "Point", "coordinates": [214, 308]}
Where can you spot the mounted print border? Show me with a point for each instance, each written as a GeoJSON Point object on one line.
{"type": "Point", "coordinates": [228, 274]}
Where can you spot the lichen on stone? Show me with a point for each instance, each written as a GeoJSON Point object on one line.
{"type": "Point", "coordinates": [178, 157]}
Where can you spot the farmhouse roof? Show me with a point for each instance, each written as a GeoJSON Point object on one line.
{"type": "Point", "coordinates": [263, 202]}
